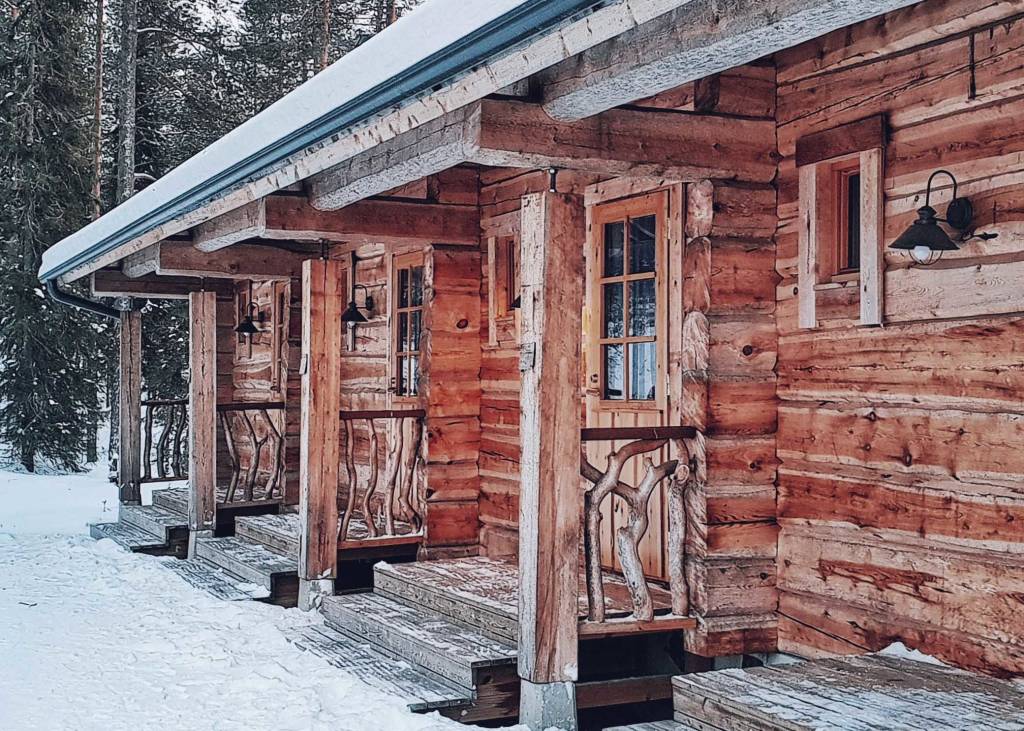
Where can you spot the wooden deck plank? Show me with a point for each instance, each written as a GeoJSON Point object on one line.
{"type": "Point", "coordinates": [153, 519]}
{"type": "Point", "coordinates": [654, 726]}
{"type": "Point", "coordinates": [281, 533]}
{"type": "Point", "coordinates": [386, 673]}
{"type": "Point", "coordinates": [252, 562]}
{"type": "Point", "coordinates": [176, 499]}
{"type": "Point", "coordinates": [867, 693]}
{"type": "Point", "coordinates": [126, 535]}
{"type": "Point", "coordinates": [215, 581]}
{"type": "Point", "coordinates": [453, 651]}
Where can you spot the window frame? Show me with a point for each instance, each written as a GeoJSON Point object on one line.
{"type": "Point", "coordinates": [656, 204]}
{"type": "Point", "coordinates": [409, 261]}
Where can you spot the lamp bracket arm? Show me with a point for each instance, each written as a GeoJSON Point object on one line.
{"type": "Point", "coordinates": [928, 193]}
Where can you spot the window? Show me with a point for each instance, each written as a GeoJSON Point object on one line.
{"type": "Point", "coordinates": [408, 309]}
{"type": "Point", "coordinates": [626, 298]}
{"type": "Point", "coordinates": [504, 287]}
{"type": "Point", "coordinates": [846, 188]}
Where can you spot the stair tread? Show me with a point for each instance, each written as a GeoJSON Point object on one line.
{"type": "Point", "coordinates": [283, 530]}
{"type": "Point", "coordinates": [150, 516]}
{"type": "Point", "coordinates": [126, 535]}
{"type": "Point", "coordinates": [423, 692]}
{"type": "Point", "coordinates": [172, 498]}
{"type": "Point", "coordinates": [242, 555]}
{"type": "Point", "coordinates": [459, 644]}
{"type": "Point", "coordinates": [215, 581]}
{"type": "Point", "coordinates": [654, 726]}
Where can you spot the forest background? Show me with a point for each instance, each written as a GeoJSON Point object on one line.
{"type": "Point", "coordinates": [98, 99]}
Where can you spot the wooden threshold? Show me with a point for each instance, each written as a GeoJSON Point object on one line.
{"type": "Point", "coordinates": [626, 626]}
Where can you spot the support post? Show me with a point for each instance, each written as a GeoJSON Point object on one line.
{"type": "Point", "coordinates": [129, 461]}
{"type": "Point", "coordinates": [202, 466]}
{"type": "Point", "coordinates": [323, 300]}
{"type": "Point", "coordinates": [553, 235]}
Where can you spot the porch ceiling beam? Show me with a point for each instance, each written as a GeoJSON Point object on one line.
{"type": "Point", "coordinates": [243, 261]}
{"type": "Point", "coordinates": [112, 283]}
{"type": "Point", "coordinates": [694, 40]}
{"type": "Point", "coordinates": [509, 133]}
{"type": "Point", "coordinates": [291, 218]}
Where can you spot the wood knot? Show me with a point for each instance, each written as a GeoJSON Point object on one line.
{"type": "Point", "coordinates": [871, 416]}
{"type": "Point", "coordinates": [462, 324]}
{"type": "Point", "coordinates": [908, 459]}
{"type": "Point", "coordinates": [748, 350]}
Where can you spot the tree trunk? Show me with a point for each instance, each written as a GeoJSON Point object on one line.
{"type": "Point", "coordinates": [325, 35]}
{"type": "Point", "coordinates": [97, 140]}
{"type": "Point", "coordinates": [126, 107]}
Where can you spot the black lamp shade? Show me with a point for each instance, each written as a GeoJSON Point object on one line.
{"type": "Point", "coordinates": [926, 232]}
{"type": "Point", "coordinates": [247, 327]}
{"type": "Point", "coordinates": [352, 314]}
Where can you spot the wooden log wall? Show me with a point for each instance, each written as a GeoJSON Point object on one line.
{"type": "Point", "coordinates": [900, 497]}
{"type": "Point", "coordinates": [730, 236]}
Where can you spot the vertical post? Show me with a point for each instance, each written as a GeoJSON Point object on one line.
{"type": "Point", "coordinates": [553, 234]}
{"type": "Point", "coordinates": [202, 465]}
{"type": "Point", "coordinates": [129, 462]}
{"type": "Point", "coordinates": [323, 299]}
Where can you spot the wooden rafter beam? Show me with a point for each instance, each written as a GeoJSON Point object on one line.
{"type": "Point", "coordinates": [690, 42]}
{"type": "Point", "coordinates": [243, 261]}
{"type": "Point", "coordinates": [507, 133]}
{"type": "Point", "coordinates": [113, 283]}
{"type": "Point", "coordinates": [291, 218]}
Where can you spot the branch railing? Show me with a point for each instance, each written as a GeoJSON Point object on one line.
{"type": "Point", "coordinates": [680, 474]}
{"type": "Point", "coordinates": [255, 446]}
{"type": "Point", "coordinates": [164, 452]}
{"type": "Point", "coordinates": [370, 512]}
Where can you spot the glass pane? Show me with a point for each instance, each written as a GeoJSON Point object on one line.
{"type": "Point", "coordinates": [642, 371]}
{"type": "Point", "coordinates": [403, 287]}
{"type": "Point", "coordinates": [403, 332]}
{"type": "Point", "coordinates": [852, 253]}
{"type": "Point", "coordinates": [613, 372]}
{"type": "Point", "coordinates": [642, 235]}
{"type": "Point", "coordinates": [400, 388]}
{"type": "Point", "coordinates": [414, 375]}
{"type": "Point", "coordinates": [642, 307]}
{"type": "Point", "coordinates": [416, 295]}
{"type": "Point", "coordinates": [415, 330]}
{"type": "Point", "coordinates": [613, 314]}
{"type": "Point", "coordinates": [614, 235]}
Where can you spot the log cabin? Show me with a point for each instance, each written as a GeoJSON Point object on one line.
{"type": "Point", "coordinates": [579, 345]}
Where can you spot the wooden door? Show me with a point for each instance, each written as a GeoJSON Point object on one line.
{"type": "Point", "coordinates": [625, 347]}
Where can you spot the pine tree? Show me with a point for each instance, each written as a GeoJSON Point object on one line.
{"type": "Point", "coordinates": [48, 392]}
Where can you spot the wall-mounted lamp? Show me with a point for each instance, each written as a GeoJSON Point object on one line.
{"type": "Point", "coordinates": [247, 326]}
{"type": "Point", "coordinates": [926, 241]}
{"type": "Point", "coordinates": [352, 313]}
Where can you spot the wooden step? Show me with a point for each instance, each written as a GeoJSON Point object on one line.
{"type": "Point", "coordinates": [279, 533]}
{"type": "Point", "coordinates": [847, 694]}
{"type": "Point", "coordinates": [215, 581]}
{"type": "Point", "coordinates": [155, 519]}
{"type": "Point", "coordinates": [473, 591]}
{"type": "Point", "coordinates": [128, 536]}
{"type": "Point", "coordinates": [172, 498]}
{"type": "Point", "coordinates": [251, 562]}
{"type": "Point", "coordinates": [422, 691]}
{"type": "Point", "coordinates": [432, 641]}
{"type": "Point", "coordinates": [655, 726]}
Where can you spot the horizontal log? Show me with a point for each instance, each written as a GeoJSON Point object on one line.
{"type": "Point", "coordinates": [242, 261]}
{"type": "Point", "coordinates": [384, 414]}
{"type": "Point", "coordinates": [513, 134]}
{"type": "Point", "coordinates": [291, 218]}
{"type": "Point", "coordinates": [113, 283]}
{"type": "Point", "coordinates": [252, 406]}
{"type": "Point", "coordinates": [688, 43]}
{"type": "Point", "coordinates": [608, 434]}
{"type": "Point", "coordinates": [864, 134]}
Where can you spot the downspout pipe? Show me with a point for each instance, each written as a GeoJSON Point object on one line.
{"type": "Point", "coordinates": [73, 300]}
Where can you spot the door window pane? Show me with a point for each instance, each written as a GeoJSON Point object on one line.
{"type": "Point", "coordinates": [642, 236]}
{"type": "Point", "coordinates": [613, 372]}
{"type": "Point", "coordinates": [614, 243]}
{"type": "Point", "coordinates": [642, 371]}
{"type": "Point", "coordinates": [415, 329]}
{"type": "Point", "coordinates": [613, 315]}
{"type": "Point", "coordinates": [403, 287]}
{"type": "Point", "coordinates": [416, 287]}
{"type": "Point", "coordinates": [414, 375]}
{"type": "Point", "coordinates": [400, 387]}
{"type": "Point", "coordinates": [403, 332]}
{"type": "Point", "coordinates": [642, 308]}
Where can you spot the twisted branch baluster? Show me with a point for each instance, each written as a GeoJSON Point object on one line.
{"type": "Point", "coordinates": [236, 467]}
{"type": "Point", "coordinates": [350, 468]}
{"type": "Point", "coordinates": [371, 486]}
{"type": "Point", "coordinates": [391, 479]}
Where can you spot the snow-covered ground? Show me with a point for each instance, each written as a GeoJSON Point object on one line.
{"type": "Point", "coordinates": [92, 637]}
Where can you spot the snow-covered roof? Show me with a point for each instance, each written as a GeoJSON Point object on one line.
{"type": "Point", "coordinates": [416, 39]}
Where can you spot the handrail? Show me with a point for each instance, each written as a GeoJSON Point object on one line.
{"type": "Point", "coordinates": [165, 402]}
{"type": "Point", "coordinates": [608, 434]}
{"type": "Point", "coordinates": [251, 406]}
{"type": "Point", "coordinates": [383, 414]}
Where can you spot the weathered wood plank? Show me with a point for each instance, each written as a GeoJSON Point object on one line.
{"type": "Point", "coordinates": [549, 514]}
{"type": "Point", "coordinates": [129, 470]}
{"type": "Point", "coordinates": [320, 443]}
{"type": "Point", "coordinates": [202, 469]}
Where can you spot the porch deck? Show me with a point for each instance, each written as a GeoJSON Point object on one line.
{"type": "Point", "coordinates": [865, 693]}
